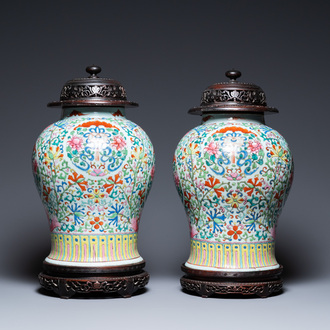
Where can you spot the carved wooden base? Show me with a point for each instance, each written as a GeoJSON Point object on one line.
{"type": "Point", "coordinates": [67, 281]}
{"type": "Point", "coordinates": [208, 283]}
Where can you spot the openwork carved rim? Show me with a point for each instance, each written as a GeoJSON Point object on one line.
{"type": "Point", "coordinates": [93, 91]}
{"type": "Point", "coordinates": [70, 92]}
{"type": "Point", "coordinates": [232, 96]}
{"type": "Point", "coordinates": [66, 287]}
{"type": "Point", "coordinates": [209, 288]}
{"type": "Point", "coordinates": [262, 283]}
{"type": "Point", "coordinates": [211, 96]}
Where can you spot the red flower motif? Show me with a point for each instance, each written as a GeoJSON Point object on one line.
{"type": "Point", "coordinates": [279, 196]}
{"type": "Point", "coordinates": [96, 223]}
{"type": "Point", "coordinates": [235, 232]}
{"type": "Point", "coordinates": [251, 185]}
{"type": "Point", "coordinates": [187, 198]}
{"type": "Point", "coordinates": [79, 180]}
{"type": "Point", "coordinates": [46, 193]}
{"type": "Point", "coordinates": [113, 181]}
{"type": "Point", "coordinates": [215, 184]}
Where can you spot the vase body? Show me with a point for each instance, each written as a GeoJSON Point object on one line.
{"type": "Point", "coordinates": [233, 175]}
{"type": "Point", "coordinates": [93, 170]}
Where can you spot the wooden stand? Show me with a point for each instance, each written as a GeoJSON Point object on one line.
{"type": "Point", "coordinates": [67, 281]}
{"type": "Point", "coordinates": [207, 283]}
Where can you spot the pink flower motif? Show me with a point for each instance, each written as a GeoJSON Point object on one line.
{"type": "Point", "coordinates": [118, 142]}
{"type": "Point", "coordinates": [234, 176]}
{"type": "Point", "coordinates": [97, 172]}
{"type": "Point", "coordinates": [176, 179]}
{"type": "Point", "coordinates": [76, 143]}
{"type": "Point", "coordinates": [254, 146]}
{"type": "Point", "coordinates": [200, 185]}
{"type": "Point", "coordinates": [271, 135]}
{"type": "Point", "coordinates": [54, 223]}
{"type": "Point", "coordinates": [152, 172]}
{"type": "Point", "coordinates": [35, 166]}
{"type": "Point", "coordinates": [212, 148]}
{"type": "Point", "coordinates": [193, 231]}
{"type": "Point", "coordinates": [273, 232]}
{"type": "Point", "coordinates": [135, 223]}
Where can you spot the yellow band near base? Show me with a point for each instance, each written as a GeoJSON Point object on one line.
{"type": "Point", "coordinates": [93, 248]}
{"type": "Point", "coordinates": [232, 255]}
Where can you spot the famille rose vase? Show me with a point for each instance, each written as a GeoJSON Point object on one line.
{"type": "Point", "coordinates": [233, 174]}
{"type": "Point", "coordinates": [93, 170]}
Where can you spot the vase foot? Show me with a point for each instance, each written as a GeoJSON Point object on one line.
{"type": "Point", "coordinates": [208, 283]}
{"type": "Point", "coordinates": [67, 283]}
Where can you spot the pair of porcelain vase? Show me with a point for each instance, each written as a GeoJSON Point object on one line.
{"type": "Point", "coordinates": [94, 168]}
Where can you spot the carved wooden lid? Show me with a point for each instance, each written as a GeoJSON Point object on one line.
{"type": "Point", "coordinates": [93, 91]}
{"type": "Point", "coordinates": [232, 96]}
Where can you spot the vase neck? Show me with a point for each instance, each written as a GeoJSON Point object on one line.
{"type": "Point", "coordinates": [223, 117]}
{"type": "Point", "coordinates": [99, 111]}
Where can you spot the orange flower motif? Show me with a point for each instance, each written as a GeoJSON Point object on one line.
{"type": "Point", "coordinates": [52, 155]}
{"type": "Point", "coordinates": [96, 223]}
{"type": "Point", "coordinates": [278, 151]}
{"type": "Point", "coordinates": [235, 232]}
{"type": "Point", "coordinates": [215, 184]}
{"type": "Point", "coordinates": [79, 180]}
{"type": "Point", "coordinates": [251, 185]}
{"type": "Point", "coordinates": [192, 149]}
{"type": "Point", "coordinates": [113, 181]}
{"type": "Point", "coordinates": [139, 154]}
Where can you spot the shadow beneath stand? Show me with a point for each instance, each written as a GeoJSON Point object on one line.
{"type": "Point", "coordinates": [90, 295]}
{"type": "Point", "coordinates": [232, 295]}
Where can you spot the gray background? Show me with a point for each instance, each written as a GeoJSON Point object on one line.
{"type": "Point", "coordinates": [166, 53]}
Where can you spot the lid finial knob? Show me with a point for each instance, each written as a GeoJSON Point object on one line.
{"type": "Point", "coordinates": [93, 91]}
{"type": "Point", "coordinates": [233, 74]}
{"type": "Point", "coordinates": [93, 70]}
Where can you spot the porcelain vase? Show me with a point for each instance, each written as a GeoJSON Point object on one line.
{"type": "Point", "coordinates": [93, 170]}
{"type": "Point", "coordinates": [233, 174]}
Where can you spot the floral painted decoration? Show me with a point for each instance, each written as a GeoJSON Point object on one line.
{"type": "Point", "coordinates": [233, 176]}
{"type": "Point", "coordinates": [93, 172]}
